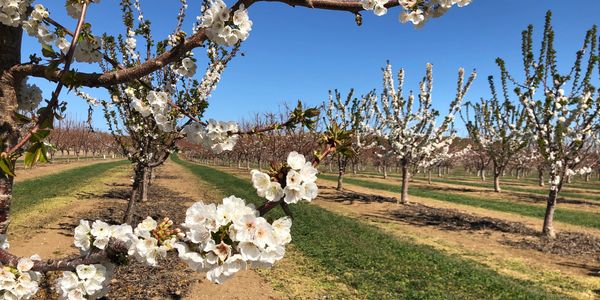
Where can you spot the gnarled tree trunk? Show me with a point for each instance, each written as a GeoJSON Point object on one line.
{"type": "Point", "coordinates": [10, 55]}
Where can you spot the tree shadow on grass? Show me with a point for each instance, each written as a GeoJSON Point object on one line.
{"type": "Point", "coordinates": [518, 196]}
{"type": "Point", "coordinates": [349, 197]}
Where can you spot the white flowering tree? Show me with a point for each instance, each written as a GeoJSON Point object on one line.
{"type": "Point", "coordinates": [443, 157]}
{"type": "Point", "coordinates": [217, 239]}
{"type": "Point", "coordinates": [410, 129]}
{"type": "Point", "coordinates": [563, 108]}
{"type": "Point", "coordinates": [498, 128]}
{"type": "Point", "coordinates": [343, 124]}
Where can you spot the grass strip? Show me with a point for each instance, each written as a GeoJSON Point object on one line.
{"type": "Point", "coordinates": [376, 264]}
{"type": "Point", "coordinates": [508, 187]}
{"type": "Point", "coordinates": [574, 217]}
{"type": "Point", "coordinates": [31, 192]}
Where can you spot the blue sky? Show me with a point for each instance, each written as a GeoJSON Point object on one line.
{"type": "Point", "coordinates": [298, 53]}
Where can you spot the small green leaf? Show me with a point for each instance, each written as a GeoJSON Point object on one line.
{"type": "Point", "coordinates": [47, 51]}
{"type": "Point", "coordinates": [22, 118]}
{"type": "Point", "coordinates": [5, 167]}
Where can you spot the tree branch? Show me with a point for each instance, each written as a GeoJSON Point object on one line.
{"type": "Point", "coordinates": [113, 249]}
{"type": "Point", "coordinates": [173, 55]}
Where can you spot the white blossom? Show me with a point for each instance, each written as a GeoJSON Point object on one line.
{"type": "Point", "coordinates": [224, 239]}
{"type": "Point", "coordinates": [225, 28]}
{"type": "Point", "coordinates": [215, 136]}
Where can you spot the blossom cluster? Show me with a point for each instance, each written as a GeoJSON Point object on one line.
{"type": "Point", "coordinates": [87, 282]}
{"type": "Point", "coordinates": [74, 7]}
{"type": "Point", "coordinates": [19, 282]}
{"type": "Point", "coordinates": [226, 238]}
{"type": "Point", "coordinates": [98, 234]}
{"type": "Point", "coordinates": [216, 135]}
{"type": "Point", "coordinates": [299, 181]}
{"type": "Point", "coordinates": [158, 107]}
{"type": "Point", "coordinates": [210, 79]}
{"type": "Point", "coordinates": [186, 68]}
{"type": "Point", "coordinates": [36, 28]}
{"type": "Point", "coordinates": [150, 241]}
{"type": "Point", "coordinates": [87, 47]}
{"type": "Point", "coordinates": [224, 28]}
{"type": "Point", "coordinates": [131, 44]}
{"type": "Point", "coordinates": [30, 96]}
{"type": "Point", "coordinates": [416, 12]}
{"type": "Point", "coordinates": [88, 98]}
{"type": "Point", "coordinates": [12, 11]}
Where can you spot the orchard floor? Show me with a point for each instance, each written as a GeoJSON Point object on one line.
{"type": "Point", "coordinates": [508, 243]}
{"type": "Point", "coordinates": [174, 189]}
{"type": "Point", "coordinates": [505, 242]}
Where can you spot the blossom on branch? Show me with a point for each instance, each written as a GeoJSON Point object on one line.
{"type": "Point", "coordinates": [215, 136]}
{"type": "Point", "coordinates": [226, 238]}
{"type": "Point", "coordinates": [221, 26]}
{"type": "Point", "coordinates": [87, 282]}
{"type": "Point", "coordinates": [294, 181]}
{"type": "Point", "coordinates": [19, 282]}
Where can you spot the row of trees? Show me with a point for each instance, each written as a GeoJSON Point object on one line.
{"type": "Point", "coordinates": [555, 133]}
{"type": "Point", "coordinates": [72, 138]}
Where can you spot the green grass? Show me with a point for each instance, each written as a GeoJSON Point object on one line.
{"type": "Point", "coordinates": [508, 187]}
{"type": "Point", "coordinates": [33, 191]}
{"type": "Point", "coordinates": [376, 264]}
{"type": "Point", "coordinates": [593, 184]}
{"type": "Point", "coordinates": [581, 218]}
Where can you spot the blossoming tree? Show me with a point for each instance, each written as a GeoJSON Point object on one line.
{"type": "Point", "coordinates": [412, 131]}
{"type": "Point", "coordinates": [498, 128]}
{"type": "Point", "coordinates": [562, 120]}
{"type": "Point", "coordinates": [343, 122]}
{"type": "Point", "coordinates": [217, 239]}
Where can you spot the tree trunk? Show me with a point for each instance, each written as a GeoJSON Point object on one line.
{"type": "Point", "coordinates": [548, 229]}
{"type": "Point", "coordinates": [497, 173]}
{"type": "Point", "coordinates": [10, 55]}
{"type": "Point", "coordinates": [152, 176]}
{"type": "Point", "coordinates": [354, 168]}
{"type": "Point", "coordinates": [429, 176]}
{"type": "Point", "coordinates": [385, 172]}
{"type": "Point", "coordinates": [439, 171]}
{"type": "Point", "coordinates": [136, 192]}
{"type": "Point", "coordinates": [587, 177]}
{"type": "Point", "coordinates": [341, 171]}
{"type": "Point", "coordinates": [145, 183]}
{"type": "Point", "coordinates": [405, 178]}
{"type": "Point", "coordinates": [541, 176]}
